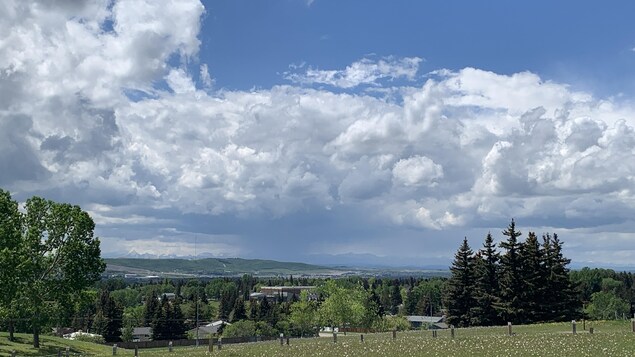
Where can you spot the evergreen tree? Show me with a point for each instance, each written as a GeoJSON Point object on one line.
{"type": "Point", "coordinates": [561, 303]}
{"type": "Point", "coordinates": [110, 318]}
{"type": "Point", "coordinates": [160, 326]}
{"type": "Point", "coordinates": [239, 310]}
{"type": "Point", "coordinates": [178, 329]}
{"type": "Point", "coordinates": [511, 283]}
{"type": "Point", "coordinates": [151, 308]}
{"type": "Point", "coordinates": [253, 310]}
{"type": "Point", "coordinates": [395, 298]}
{"type": "Point", "coordinates": [264, 311]}
{"type": "Point", "coordinates": [533, 272]}
{"type": "Point", "coordinates": [486, 291]}
{"type": "Point", "coordinates": [412, 298]}
{"type": "Point", "coordinates": [459, 297]}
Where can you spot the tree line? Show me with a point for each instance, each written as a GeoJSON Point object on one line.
{"type": "Point", "coordinates": [525, 282]}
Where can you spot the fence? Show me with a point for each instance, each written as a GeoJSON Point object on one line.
{"type": "Point", "coordinates": [201, 341]}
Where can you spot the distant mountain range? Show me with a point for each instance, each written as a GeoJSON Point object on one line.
{"type": "Point", "coordinates": [213, 267]}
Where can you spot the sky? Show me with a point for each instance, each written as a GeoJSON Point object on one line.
{"type": "Point", "coordinates": [325, 131]}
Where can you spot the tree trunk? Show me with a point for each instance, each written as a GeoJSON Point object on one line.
{"type": "Point", "coordinates": [36, 336]}
{"type": "Point", "coordinates": [11, 330]}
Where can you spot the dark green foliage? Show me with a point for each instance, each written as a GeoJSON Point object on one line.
{"type": "Point", "coordinates": [560, 296]}
{"type": "Point", "coordinates": [110, 320]}
{"type": "Point", "coordinates": [395, 298]}
{"type": "Point", "coordinates": [511, 284]}
{"type": "Point", "coordinates": [239, 312]}
{"type": "Point", "coordinates": [460, 300]}
{"type": "Point", "coordinates": [151, 308]}
{"type": "Point", "coordinates": [486, 285]}
{"type": "Point", "coordinates": [535, 280]}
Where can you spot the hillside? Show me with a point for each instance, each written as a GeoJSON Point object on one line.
{"type": "Point", "coordinates": [214, 267]}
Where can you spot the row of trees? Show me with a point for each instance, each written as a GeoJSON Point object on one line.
{"type": "Point", "coordinates": [48, 256]}
{"type": "Point", "coordinates": [524, 283]}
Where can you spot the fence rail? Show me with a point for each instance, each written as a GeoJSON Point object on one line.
{"type": "Point", "coordinates": [201, 341]}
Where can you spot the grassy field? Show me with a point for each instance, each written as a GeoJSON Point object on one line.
{"type": "Point", "coordinates": [609, 339]}
{"type": "Point", "coordinates": [49, 346]}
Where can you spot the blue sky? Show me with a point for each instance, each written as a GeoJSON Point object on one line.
{"type": "Point", "coordinates": [584, 43]}
{"type": "Point", "coordinates": [325, 131]}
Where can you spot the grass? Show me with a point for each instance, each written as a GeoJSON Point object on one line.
{"type": "Point", "coordinates": [553, 339]}
{"type": "Point", "coordinates": [49, 346]}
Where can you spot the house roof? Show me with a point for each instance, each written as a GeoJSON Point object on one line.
{"type": "Point", "coordinates": [142, 331]}
{"type": "Point", "coordinates": [425, 319]}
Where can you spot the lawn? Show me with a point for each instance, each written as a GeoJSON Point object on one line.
{"type": "Point", "coordinates": [554, 339]}
{"type": "Point", "coordinates": [49, 346]}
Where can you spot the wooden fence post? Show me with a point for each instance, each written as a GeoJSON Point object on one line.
{"type": "Point", "coordinates": [509, 328]}
{"type": "Point", "coordinates": [211, 344]}
{"type": "Point", "coordinates": [591, 330]}
{"type": "Point", "coordinates": [136, 351]}
{"type": "Point", "coordinates": [68, 351]}
{"type": "Point", "coordinates": [334, 337]}
{"type": "Point", "coordinates": [114, 349]}
{"type": "Point", "coordinates": [633, 325]}
{"type": "Point", "coordinates": [220, 343]}
{"type": "Point", "coordinates": [452, 331]}
{"type": "Point", "coordinates": [573, 326]}
{"type": "Point", "coordinates": [361, 337]}
{"type": "Point", "coordinates": [170, 346]}
{"type": "Point", "coordinates": [12, 353]}
{"type": "Point", "coordinates": [394, 334]}
{"type": "Point", "coordinates": [281, 339]}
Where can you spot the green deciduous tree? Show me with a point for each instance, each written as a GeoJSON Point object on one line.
{"type": "Point", "coordinates": [59, 256]}
{"type": "Point", "coordinates": [10, 241]}
{"type": "Point", "coordinates": [303, 317]}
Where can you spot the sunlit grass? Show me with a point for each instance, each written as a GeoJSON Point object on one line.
{"type": "Point", "coordinates": [552, 339]}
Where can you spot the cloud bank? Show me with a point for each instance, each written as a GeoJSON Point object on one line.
{"type": "Point", "coordinates": [99, 106]}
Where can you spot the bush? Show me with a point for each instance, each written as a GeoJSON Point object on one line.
{"type": "Point", "coordinates": [90, 338]}
{"type": "Point", "coordinates": [265, 329]}
{"type": "Point", "coordinates": [243, 328]}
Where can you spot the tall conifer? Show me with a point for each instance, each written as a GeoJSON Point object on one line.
{"type": "Point", "coordinates": [460, 301]}
{"type": "Point", "coordinates": [486, 287]}
{"type": "Point", "coordinates": [511, 284]}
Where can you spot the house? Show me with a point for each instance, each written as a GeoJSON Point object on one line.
{"type": "Point", "coordinates": [209, 329]}
{"type": "Point", "coordinates": [430, 322]}
{"type": "Point", "coordinates": [141, 334]}
{"type": "Point", "coordinates": [287, 293]}
{"type": "Point", "coordinates": [169, 296]}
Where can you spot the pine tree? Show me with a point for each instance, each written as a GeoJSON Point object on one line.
{"type": "Point", "coordinates": [412, 298]}
{"type": "Point", "coordinates": [160, 327]}
{"type": "Point", "coordinates": [151, 308]}
{"type": "Point", "coordinates": [395, 298]}
{"type": "Point", "coordinates": [533, 275]}
{"type": "Point", "coordinates": [239, 310]}
{"type": "Point", "coordinates": [109, 318]}
{"type": "Point", "coordinates": [486, 291]}
{"type": "Point", "coordinates": [561, 302]}
{"type": "Point", "coordinates": [460, 301]}
{"type": "Point", "coordinates": [511, 284]}
{"type": "Point", "coordinates": [178, 329]}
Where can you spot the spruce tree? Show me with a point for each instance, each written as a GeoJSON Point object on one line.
{"type": "Point", "coordinates": [239, 310]}
{"type": "Point", "coordinates": [178, 329]}
{"type": "Point", "coordinates": [561, 302]}
{"type": "Point", "coordinates": [150, 309]}
{"type": "Point", "coordinates": [486, 287]}
{"type": "Point", "coordinates": [533, 275]}
{"type": "Point", "coordinates": [459, 297]}
{"type": "Point", "coordinates": [510, 306]}
{"type": "Point", "coordinates": [395, 298]}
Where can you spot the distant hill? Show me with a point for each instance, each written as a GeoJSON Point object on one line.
{"type": "Point", "coordinates": [214, 267]}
